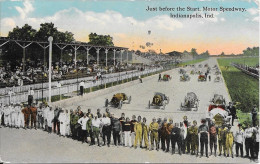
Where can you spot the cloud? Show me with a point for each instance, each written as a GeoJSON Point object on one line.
{"type": "Point", "coordinates": [255, 19]}
{"type": "Point", "coordinates": [28, 7]}
{"type": "Point", "coordinates": [253, 11]}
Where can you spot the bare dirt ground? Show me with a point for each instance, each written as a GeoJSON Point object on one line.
{"type": "Point", "coordinates": [38, 146]}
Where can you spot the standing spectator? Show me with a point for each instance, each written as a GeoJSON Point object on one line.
{"type": "Point", "coordinates": [40, 117]}
{"type": "Point", "coordinates": [209, 78]}
{"type": "Point", "coordinates": [127, 132]}
{"type": "Point", "coordinates": [73, 121]}
{"type": "Point", "coordinates": [203, 131]}
{"type": "Point", "coordinates": [138, 132]}
{"type": "Point", "coordinates": [193, 130]}
{"type": "Point", "coordinates": [183, 135]}
{"type": "Point", "coordinates": [45, 115]}
{"type": "Point", "coordinates": [153, 128]}
{"type": "Point", "coordinates": [254, 115]}
{"type": "Point", "coordinates": [229, 141]}
{"type": "Point", "coordinates": [164, 133]}
{"type": "Point", "coordinates": [17, 109]}
{"type": "Point", "coordinates": [122, 120]}
{"type": "Point", "coordinates": [249, 141]}
{"type": "Point", "coordinates": [106, 130]}
{"type": "Point", "coordinates": [99, 113]}
{"type": "Point", "coordinates": [187, 139]}
{"type": "Point", "coordinates": [176, 138]}
{"type": "Point", "coordinates": [133, 122]}
{"type": "Point", "coordinates": [159, 121]}
{"type": "Point", "coordinates": [169, 134]}
{"type": "Point", "coordinates": [50, 117]}
{"type": "Point", "coordinates": [81, 87]}
{"type": "Point", "coordinates": [33, 111]}
{"type": "Point", "coordinates": [239, 139]}
{"type": "Point", "coordinates": [256, 141]}
{"type": "Point", "coordinates": [11, 110]}
{"type": "Point", "coordinates": [222, 139]}
{"type": "Point", "coordinates": [83, 122]}
{"type": "Point", "coordinates": [10, 93]}
{"type": "Point", "coordinates": [160, 76]}
{"type": "Point", "coordinates": [89, 130]}
{"type": "Point", "coordinates": [117, 129]}
{"type": "Point", "coordinates": [67, 122]}
{"type": "Point", "coordinates": [56, 123]}
{"type": "Point", "coordinates": [20, 118]}
{"type": "Point", "coordinates": [30, 96]}
{"type": "Point", "coordinates": [213, 138]}
{"type": "Point", "coordinates": [95, 128]}
{"type": "Point", "coordinates": [26, 112]}
{"type": "Point", "coordinates": [232, 111]}
{"type": "Point", "coordinates": [145, 133]}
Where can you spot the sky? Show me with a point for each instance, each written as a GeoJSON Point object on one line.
{"type": "Point", "coordinates": [128, 22]}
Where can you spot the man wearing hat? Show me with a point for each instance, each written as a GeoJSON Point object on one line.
{"type": "Point", "coordinates": [30, 96]}
{"type": "Point", "coordinates": [106, 129]}
{"type": "Point", "coordinates": [232, 111]}
{"type": "Point", "coordinates": [213, 137]}
{"type": "Point", "coordinates": [254, 115]}
{"type": "Point", "coordinates": [203, 133]}
{"type": "Point", "coordinates": [138, 132]}
{"type": "Point", "coordinates": [20, 117]}
{"type": "Point", "coordinates": [187, 139]}
{"type": "Point", "coordinates": [145, 133]}
{"type": "Point", "coordinates": [249, 141]}
{"type": "Point", "coordinates": [159, 121]}
{"type": "Point", "coordinates": [176, 138]}
{"type": "Point", "coordinates": [164, 133]}
{"type": "Point", "coordinates": [40, 116]}
{"type": "Point", "coordinates": [81, 87]}
{"type": "Point", "coordinates": [193, 130]}
{"type": "Point", "coordinates": [73, 121]}
{"type": "Point", "coordinates": [17, 109]}
{"type": "Point", "coordinates": [153, 128]}
{"type": "Point", "coordinates": [229, 141]}
{"type": "Point", "coordinates": [133, 122]}
{"type": "Point", "coordinates": [96, 123]}
{"type": "Point", "coordinates": [169, 133]}
{"type": "Point", "coordinates": [33, 111]}
{"type": "Point", "coordinates": [26, 112]}
{"type": "Point", "coordinates": [222, 139]}
{"type": "Point", "coordinates": [83, 122]}
{"type": "Point", "coordinates": [239, 139]}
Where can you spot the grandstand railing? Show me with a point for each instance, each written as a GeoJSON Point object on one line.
{"type": "Point", "coordinates": [68, 86]}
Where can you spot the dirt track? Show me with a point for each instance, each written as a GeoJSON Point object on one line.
{"type": "Point", "coordinates": [38, 146]}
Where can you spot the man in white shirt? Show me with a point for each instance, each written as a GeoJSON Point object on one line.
{"type": "Point", "coordinates": [15, 115]}
{"type": "Point", "coordinates": [239, 140]}
{"type": "Point", "coordinates": [20, 122]}
{"type": "Point", "coordinates": [249, 141]}
{"type": "Point", "coordinates": [50, 117]}
{"type": "Point", "coordinates": [96, 123]}
{"type": "Point", "coordinates": [7, 118]}
{"type": "Point", "coordinates": [81, 87]}
{"type": "Point", "coordinates": [106, 129]}
{"type": "Point", "coordinates": [83, 122]}
{"type": "Point", "coordinates": [30, 96]}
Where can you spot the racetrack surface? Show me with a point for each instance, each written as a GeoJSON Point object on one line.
{"type": "Point", "coordinates": [38, 146]}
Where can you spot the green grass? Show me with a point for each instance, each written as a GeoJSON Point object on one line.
{"type": "Point", "coordinates": [242, 87]}
{"type": "Point", "coordinates": [192, 62]}
{"type": "Point", "coordinates": [252, 61]}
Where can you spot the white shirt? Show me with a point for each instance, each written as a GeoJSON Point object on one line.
{"type": "Point", "coordinates": [240, 136]}
{"type": "Point", "coordinates": [81, 84]}
{"type": "Point", "coordinates": [31, 92]}
{"type": "Point", "coordinates": [96, 122]}
{"type": "Point", "coordinates": [83, 122]}
{"type": "Point", "coordinates": [249, 132]}
{"type": "Point", "coordinates": [106, 121]}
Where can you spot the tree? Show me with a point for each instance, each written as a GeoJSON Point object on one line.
{"type": "Point", "coordinates": [100, 40]}
{"type": "Point", "coordinates": [24, 33]}
{"type": "Point", "coordinates": [194, 52]}
{"type": "Point", "coordinates": [222, 54]}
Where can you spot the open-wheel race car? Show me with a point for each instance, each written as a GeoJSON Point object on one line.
{"type": "Point", "coordinates": [118, 100]}
{"type": "Point", "coordinates": [202, 78]}
{"type": "Point", "coordinates": [159, 100]}
{"type": "Point", "coordinates": [182, 71]}
{"type": "Point", "coordinates": [185, 77]}
{"type": "Point", "coordinates": [218, 79]}
{"type": "Point", "coordinates": [217, 111]}
{"type": "Point", "coordinates": [217, 101]}
{"type": "Point", "coordinates": [166, 77]}
{"type": "Point", "coordinates": [191, 102]}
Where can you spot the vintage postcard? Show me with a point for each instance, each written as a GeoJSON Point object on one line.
{"type": "Point", "coordinates": [129, 81]}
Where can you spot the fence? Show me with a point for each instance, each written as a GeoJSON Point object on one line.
{"type": "Point", "coordinates": [70, 86]}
